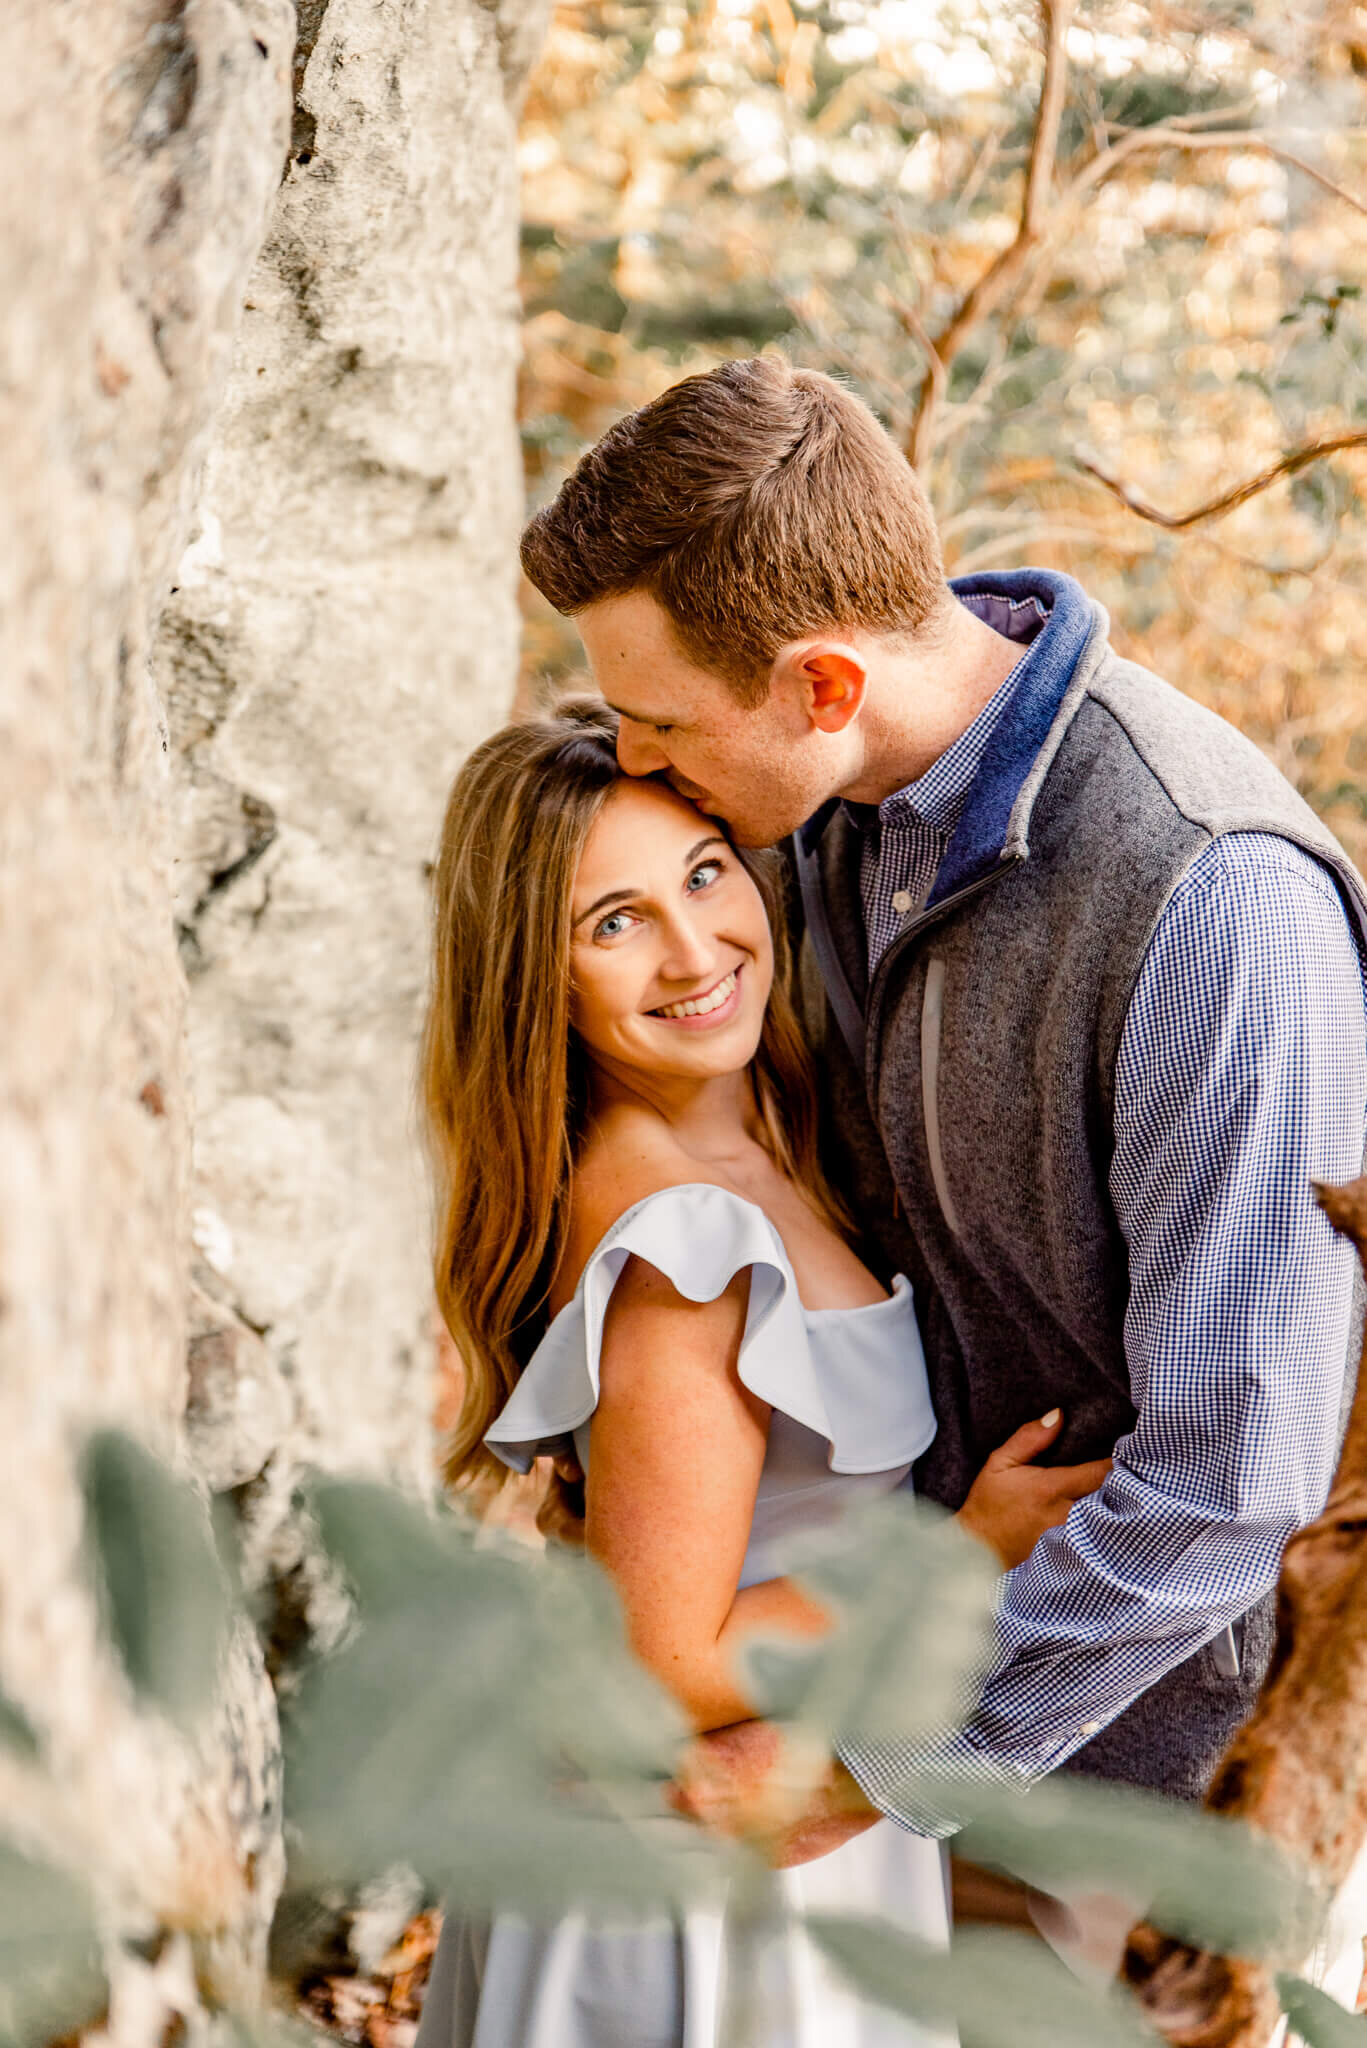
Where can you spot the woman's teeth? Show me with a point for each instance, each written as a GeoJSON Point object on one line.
{"type": "Point", "coordinates": [700, 1006]}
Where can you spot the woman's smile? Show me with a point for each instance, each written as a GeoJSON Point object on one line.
{"type": "Point", "coordinates": [716, 1005]}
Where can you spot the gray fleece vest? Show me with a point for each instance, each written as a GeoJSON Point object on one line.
{"type": "Point", "coordinates": [969, 1099]}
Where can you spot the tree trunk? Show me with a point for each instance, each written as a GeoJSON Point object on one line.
{"type": "Point", "coordinates": [1295, 1769]}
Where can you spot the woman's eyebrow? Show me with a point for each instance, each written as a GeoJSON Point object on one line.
{"type": "Point", "coordinates": [602, 902]}
{"type": "Point", "coordinates": [625, 895]}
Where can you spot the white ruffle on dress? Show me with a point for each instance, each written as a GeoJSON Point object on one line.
{"type": "Point", "coordinates": [851, 1413]}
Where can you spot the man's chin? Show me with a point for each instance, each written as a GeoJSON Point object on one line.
{"type": "Point", "coordinates": [740, 831]}
{"type": "Point", "coordinates": [698, 797]}
{"type": "Point", "coordinates": [759, 832]}
{"type": "Point", "coordinates": [737, 831]}
{"type": "Point", "coordinates": [710, 808]}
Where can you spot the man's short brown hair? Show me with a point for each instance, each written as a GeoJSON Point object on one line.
{"type": "Point", "coordinates": [756, 504]}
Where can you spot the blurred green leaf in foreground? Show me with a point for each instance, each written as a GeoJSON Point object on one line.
{"type": "Point", "coordinates": [163, 1591]}
{"type": "Point", "coordinates": [1205, 1880]}
{"type": "Point", "coordinates": [881, 1678]}
{"type": "Point", "coordinates": [998, 1988]}
{"type": "Point", "coordinates": [50, 1976]}
{"type": "Point", "coordinates": [492, 1731]}
{"type": "Point", "coordinates": [488, 1724]}
{"type": "Point", "coordinates": [1317, 2019]}
{"type": "Point", "coordinates": [481, 1721]}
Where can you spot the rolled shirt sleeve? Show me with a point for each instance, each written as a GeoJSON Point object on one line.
{"type": "Point", "coordinates": [1241, 1078]}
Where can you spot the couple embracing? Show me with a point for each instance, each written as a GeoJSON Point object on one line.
{"type": "Point", "coordinates": [888, 1041]}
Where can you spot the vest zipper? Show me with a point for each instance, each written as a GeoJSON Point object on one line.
{"type": "Point", "coordinates": [874, 1013]}
{"type": "Point", "coordinates": [932, 1019]}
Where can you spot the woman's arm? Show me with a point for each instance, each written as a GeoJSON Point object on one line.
{"type": "Point", "coordinates": [678, 1446]}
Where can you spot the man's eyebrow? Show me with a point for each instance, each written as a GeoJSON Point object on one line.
{"type": "Point", "coordinates": [625, 895]}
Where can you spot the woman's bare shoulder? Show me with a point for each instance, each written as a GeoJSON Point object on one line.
{"type": "Point", "coordinates": [628, 1156]}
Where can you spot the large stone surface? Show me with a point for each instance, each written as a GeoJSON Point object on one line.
{"type": "Point", "coordinates": [141, 142]}
{"type": "Point", "coordinates": [344, 627]}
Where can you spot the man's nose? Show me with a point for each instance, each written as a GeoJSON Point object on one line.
{"type": "Point", "coordinates": [637, 752]}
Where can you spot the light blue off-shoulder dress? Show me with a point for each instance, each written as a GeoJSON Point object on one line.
{"type": "Point", "coordinates": [851, 1413]}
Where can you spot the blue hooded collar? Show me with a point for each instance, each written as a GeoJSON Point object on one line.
{"type": "Point", "coordinates": [1042, 682]}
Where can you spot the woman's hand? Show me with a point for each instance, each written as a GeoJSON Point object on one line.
{"type": "Point", "coordinates": [1012, 1501]}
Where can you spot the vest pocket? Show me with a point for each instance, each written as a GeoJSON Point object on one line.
{"type": "Point", "coordinates": [932, 1022]}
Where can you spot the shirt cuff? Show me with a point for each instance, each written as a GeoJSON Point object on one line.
{"type": "Point", "coordinates": [929, 1788]}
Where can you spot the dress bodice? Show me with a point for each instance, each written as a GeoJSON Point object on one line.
{"type": "Point", "coordinates": [850, 1411]}
{"type": "Point", "coordinates": [847, 1387]}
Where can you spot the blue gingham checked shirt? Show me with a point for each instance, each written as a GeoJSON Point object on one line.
{"type": "Point", "coordinates": [1242, 1075]}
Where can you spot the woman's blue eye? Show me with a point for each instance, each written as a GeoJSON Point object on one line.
{"type": "Point", "coordinates": [617, 921]}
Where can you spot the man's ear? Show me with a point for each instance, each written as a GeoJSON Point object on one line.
{"type": "Point", "coordinates": [827, 678]}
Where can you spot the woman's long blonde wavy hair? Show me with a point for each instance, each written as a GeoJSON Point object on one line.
{"type": "Point", "coordinates": [505, 1082]}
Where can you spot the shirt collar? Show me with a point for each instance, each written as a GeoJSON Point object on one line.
{"type": "Point", "coordinates": [937, 798]}
{"type": "Point", "coordinates": [1050, 611]}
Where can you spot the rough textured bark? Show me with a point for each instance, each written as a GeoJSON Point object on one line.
{"type": "Point", "coordinates": [141, 141]}
{"type": "Point", "coordinates": [1296, 1769]}
{"type": "Point", "coordinates": [344, 627]}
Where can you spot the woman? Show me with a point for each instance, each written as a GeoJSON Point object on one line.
{"type": "Point", "coordinates": [638, 1252]}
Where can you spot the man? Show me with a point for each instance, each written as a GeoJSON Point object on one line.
{"type": "Point", "coordinates": [1083, 976]}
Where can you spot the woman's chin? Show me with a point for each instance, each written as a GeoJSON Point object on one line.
{"type": "Point", "coordinates": [708, 1062]}
{"type": "Point", "coordinates": [678, 1052]}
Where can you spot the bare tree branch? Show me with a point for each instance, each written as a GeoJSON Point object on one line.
{"type": "Point", "coordinates": [1029, 533]}
{"type": "Point", "coordinates": [1008, 529]}
{"type": "Point", "coordinates": [1176, 134]}
{"type": "Point", "coordinates": [1287, 465]}
{"type": "Point", "coordinates": [1039, 178]}
{"type": "Point", "coordinates": [1003, 273]}
{"type": "Point", "coordinates": [1045, 210]}
{"type": "Point", "coordinates": [937, 376]}
{"type": "Point", "coordinates": [982, 164]}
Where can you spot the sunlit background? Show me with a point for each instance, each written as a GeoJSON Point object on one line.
{"type": "Point", "coordinates": [847, 181]}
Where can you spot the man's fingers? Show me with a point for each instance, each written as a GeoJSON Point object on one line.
{"type": "Point", "coordinates": [1075, 1481]}
{"type": "Point", "coordinates": [1028, 1441]}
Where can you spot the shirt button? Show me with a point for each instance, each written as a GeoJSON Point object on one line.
{"type": "Point", "coordinates": [1090, 1728]}
{"type": "Point", "coordinates": [901, 902]}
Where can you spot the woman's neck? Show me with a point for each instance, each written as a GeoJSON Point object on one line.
{"type": "Point", "coordinates": [713, 1120]}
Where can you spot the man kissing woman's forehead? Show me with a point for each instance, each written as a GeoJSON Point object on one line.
{"type": "Point", "coordinates": [886, 1041]}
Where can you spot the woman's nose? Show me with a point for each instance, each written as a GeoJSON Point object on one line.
{"type": "Point", "coordinates": [689, 950]}
{"type": "Point", "coordinates": [637, 752]}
